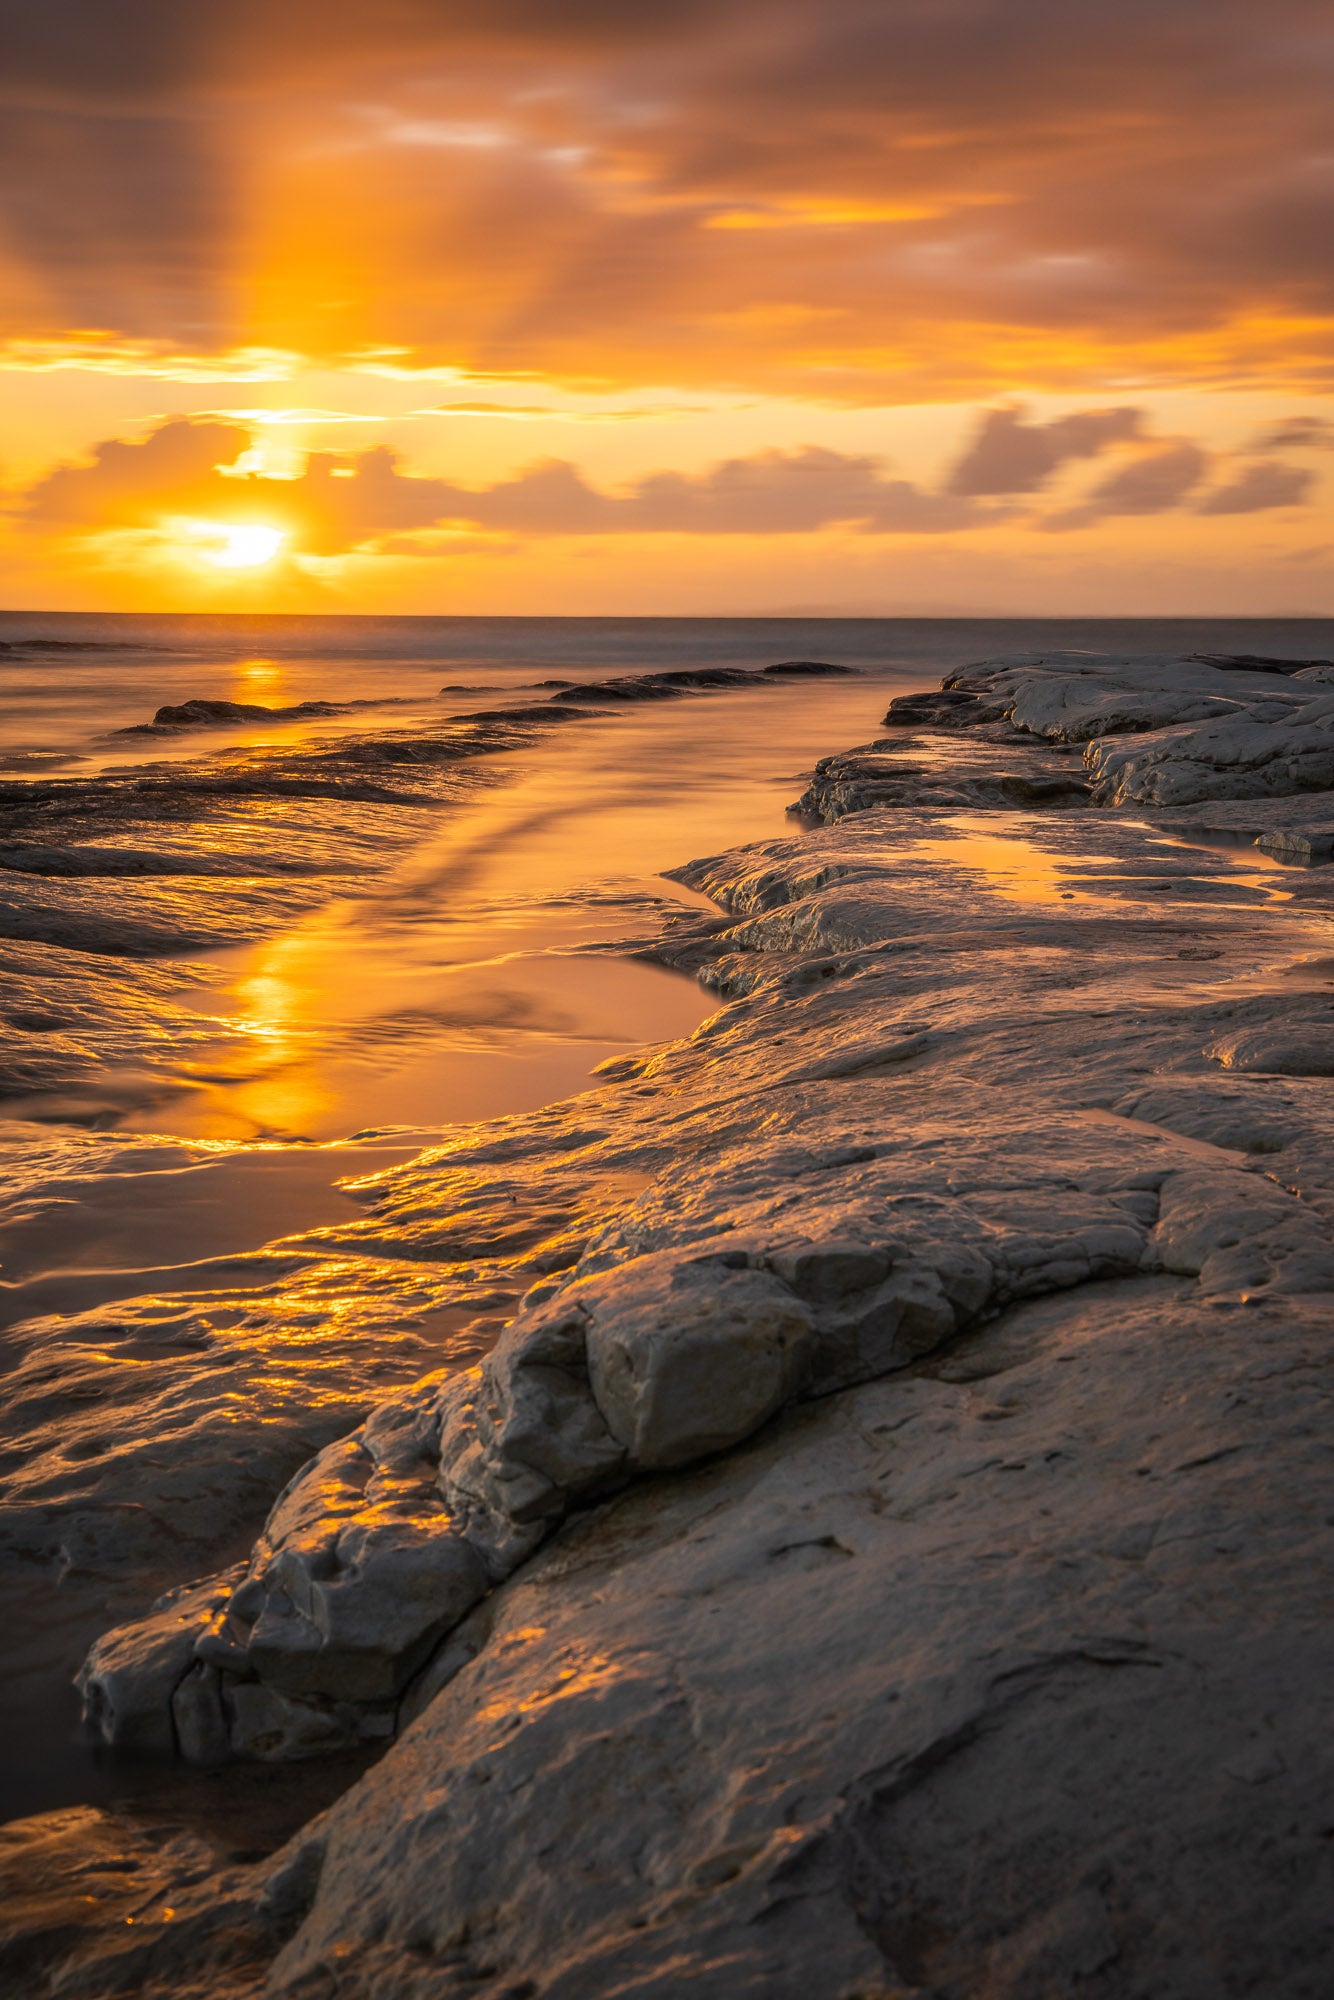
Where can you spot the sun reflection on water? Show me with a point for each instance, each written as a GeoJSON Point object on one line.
{"type": "Point", "coordinates": [259, 677]}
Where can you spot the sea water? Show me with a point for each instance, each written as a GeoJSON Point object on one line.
{"type": "Point", "coordinates": [294, 931]}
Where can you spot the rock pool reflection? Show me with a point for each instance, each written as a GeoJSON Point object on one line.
{"type": "Point", "coordinates": [472, 983]}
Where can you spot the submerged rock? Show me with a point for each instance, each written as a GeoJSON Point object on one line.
{"type": "Point", "coordinates": [672, 683]}
{"type": "Point", "coordinates": [202, 713]}
{"type": "Point", "coordinates": [669, 685]}
{"type": "Point", "coordinates": [808, 669]}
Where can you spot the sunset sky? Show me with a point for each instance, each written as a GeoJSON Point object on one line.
{"type": "Point", "coordinates": [920, 306]}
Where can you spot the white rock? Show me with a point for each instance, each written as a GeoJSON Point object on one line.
{"type": "Point", "coordinates": [1265, 752]}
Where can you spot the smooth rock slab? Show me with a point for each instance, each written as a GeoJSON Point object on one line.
{"type": "Point", "coordinates": [1238, 1232]}
{"type": "Point", "coordinates": [1289, 1048]}
{"type": "Point", "coordinates": [987, 1683]}
{"type": "Point", "coordinates": [690, 1358]}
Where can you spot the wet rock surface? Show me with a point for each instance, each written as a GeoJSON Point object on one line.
{"type": "Point", "coordinates": [673, 683]}
{"type": "Point", "coordinates": [1168, 731]}
{"type": "Point", "coordinates": [885, 1551]}
{"type": "Point", "coordinates": [201, 712]}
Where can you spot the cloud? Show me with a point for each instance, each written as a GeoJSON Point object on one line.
{"type": "Point", "coordinates": [195, 469]}
{"type": "Point", "coordinates": [83, 52]}
{"type": "Point", "coordinates": [1008, 455]}
{"type": "Point", "coordinates": [1253, 488]}
{"type": "Point", "coordinates": [95, 352]}
{"type": "Point", "coordinates": [771, 493]}
{"type": "Point", "coordinates": [554, 412]}
{"type": "Point", "coordinates": [1297, 434]}
{"type": "Point", "coordinates": [131, 484]}
{"type": "Point", "coordinates": [956, 197]}
{"type": "Point", "coordinates": [346, 501]}
{"type": "Point", "coordinates": [795, 492]}
{"type": "Point", "coordinates": [115, 222]}
{"type": "Point", "coordinates": [1150, 484]}
{"type": "Point", "coordinates": [183, 470]}
{"type": "Point", "coordinates": [297, 416]}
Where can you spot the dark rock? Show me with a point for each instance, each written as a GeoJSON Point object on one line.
{"type": "Point", "coordinates": [808, 669]}
{"type": "Point", "coordinates": [636, 687]}
{"type": "Point", "coordinates": [534, 712]}
{"type": "Point", "coordinates": [1019, 790]}
{"type": "Point", "coordinates": [1254, 663]}
{"type": "Point", "coordinates": [674, 681]}
{"type": "Point", "coordinates": [704, 677]}
{"type": "Point", "coordinates": [667, 686]}
{"type": "Point", "coordinates": [930, 705]}
{"type": "Point", "coordinates": [1298, 845]}
{"type": "Point", "coordinates": [205, 714]}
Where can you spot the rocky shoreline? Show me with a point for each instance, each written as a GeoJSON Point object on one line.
{"type": "Point", "coordinates": [886, 1551]}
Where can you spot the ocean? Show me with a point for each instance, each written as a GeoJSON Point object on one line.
{"type": "Point", "coordinates": [247, 956]}
{"type": "Point", "coordinates": [66, 678]}
{"type": "Point", "coordinates": [385, 896]}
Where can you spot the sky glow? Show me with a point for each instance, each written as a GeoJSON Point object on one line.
{"type": "Point", "coordinates": [982, 305]}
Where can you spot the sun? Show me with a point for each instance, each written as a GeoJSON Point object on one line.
{"type": "Point", "coordinates": [223, 544]}
{"type": "Point", "coordinates": [245, 547]}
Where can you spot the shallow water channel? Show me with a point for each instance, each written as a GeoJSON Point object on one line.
{"type": "Point", "coordinates": [478, 977]}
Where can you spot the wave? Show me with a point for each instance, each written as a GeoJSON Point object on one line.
{"type": "Point", "coordinates": [11, 648]}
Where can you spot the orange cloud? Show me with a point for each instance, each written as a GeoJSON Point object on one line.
{"type": "Point", "coordinates": [339, 502]}
{"type": "Point", "coordinates": [1150, 483]}
{"type": "Point", "coordinates": [869, 200]}
{"type": "Point", "coordinates": [1009, 455]}
{"type": "Point", "coordinates": [127, 484]}
{"type": "Point", "coordinates": [1254, 488]}
{"type": "Point", "coordinates": [195, 471]}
